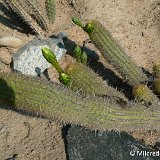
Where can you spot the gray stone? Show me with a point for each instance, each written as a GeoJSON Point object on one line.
{"type": "Point", "coordinates": [29, 59]}
{"type": "Point", "coordinates": [85, 144]}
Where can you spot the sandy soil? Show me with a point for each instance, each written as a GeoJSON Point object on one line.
{"type": "Point", "coordinates": [135, 24]}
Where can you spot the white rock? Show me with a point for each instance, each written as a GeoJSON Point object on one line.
{"type": "Point", "coordinates": [29, 59]}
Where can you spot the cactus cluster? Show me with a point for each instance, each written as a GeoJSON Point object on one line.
{"type": "Point", "coordinates": [94, 104]}
{"type": "Point", "coordinates": [33, 14]}
{"type": "Point", "coordinates": [82, 78]}
{"type": "Point", "coordinates": [114, 54]}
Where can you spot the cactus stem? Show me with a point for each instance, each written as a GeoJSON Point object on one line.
{"type": "Point", "coordinates": [65, 106]}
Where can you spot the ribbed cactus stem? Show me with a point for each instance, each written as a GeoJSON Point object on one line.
{"type": "Point", "coordinates": [113, 53]}
{"type": "Point", "coordinates": [50, 9]}
{"type": "Point", "coordinates": [86, 81]}
{"type": "Point", "coordinates": [65, 106]}
{"type": "Point", "coordinates": [31, 13]}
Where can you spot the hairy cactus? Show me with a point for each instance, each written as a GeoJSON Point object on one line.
{"type": "Point", "coordinates": [143, 93]}
{"type": "Point", "coordinates": [65, 106]}
{"type": "Point", "coordinates": [31, 13]}
{"type": "Point", "coordinates": [50, 9]}
{"type": "Point", "coordinates": [84, 80]}
{"type": "Point", "coordinates": [112, 52]}
{"type": "Point", "coordinates": [115, 55]}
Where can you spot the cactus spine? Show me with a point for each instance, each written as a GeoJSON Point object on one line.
{"type": "Point", "coordinates": [63, 105]}
{"type": "Point", "coordinates": [31, 14]}
{"type": "Point", "coordinates": [50, 9]}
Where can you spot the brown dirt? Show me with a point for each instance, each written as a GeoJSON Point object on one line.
{"type": "Point", "coordinates": [26, 138]}
{"type": "Point", "coordinates": [135, 24]}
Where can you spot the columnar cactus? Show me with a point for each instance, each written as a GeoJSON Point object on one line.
{"type": "Point", "coordinates": [84, 80]}
{"type": "Point", "coordinates": [112, 52]}
{"type": "Point", "coordinates": [65, 106]}
{"type": "Point", "coordinates": [33, 14]}
{"type": "Point", "coordinates": [115, 55]}
{"type": "Point", "coordinates": [50, 9]}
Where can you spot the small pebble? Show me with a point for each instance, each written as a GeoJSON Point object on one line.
{"type": "Point", "coordinates": [10, 41]}
{"type": "Point", "coordinates": [5, 56]}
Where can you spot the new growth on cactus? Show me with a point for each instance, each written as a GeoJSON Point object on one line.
{"type": "Point", "coordinates": [51, 58]}
{"type": "Point", "coordinates": [68, 107]}
{"type": "Point", "coordinates": [80, 55]}
{"type": "Point", "coordinates": [81, 78]}
{"type": "Point", "coordinates": [143, 93]}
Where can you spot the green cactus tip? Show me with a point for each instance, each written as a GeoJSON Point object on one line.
{"type": "Point", "coordinates": [84, 57]}
{"type": "Point", "coordinates": [65, 79]}
{"type": "Point", "coordinates": [77, 53]}
{"type": "Point", "coordinates": [77, 21]}
{"type": "Point", "coordinates": [51, 58]}
{"type": "Point", "coordinates": [156, 70]}
{"type": "Point", "coordinates": [80, 55]}
{"type": "Point", "coordinates": [87, 28]}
